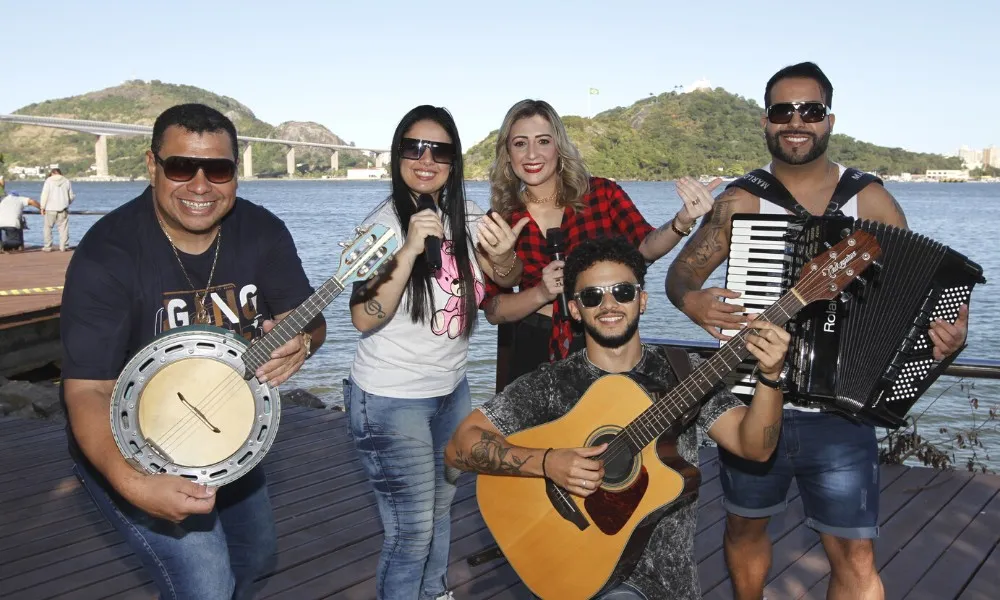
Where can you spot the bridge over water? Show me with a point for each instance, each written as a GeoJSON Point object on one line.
{"type": "Point", "coordinates": [103, 129]}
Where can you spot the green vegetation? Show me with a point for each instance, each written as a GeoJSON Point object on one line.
{"type": "Point", "coordinates": [707, 132]}
{"type": "Point", "coordinates": [139, 102]}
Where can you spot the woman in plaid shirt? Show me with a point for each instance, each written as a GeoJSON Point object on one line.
{"type": "Point", "coordinates": [538, 173]}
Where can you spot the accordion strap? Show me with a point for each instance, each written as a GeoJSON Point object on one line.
{"type": "Point", "coordinates": [763, 184]}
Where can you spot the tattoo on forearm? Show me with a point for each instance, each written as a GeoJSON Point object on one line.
{"type": "Point", "coordinates": [771, 434]}
{"type": "Point", "coordinates": [490, 455]}
{"type": "Point", "coordinates": [374, 308]}
{"type": "Point", "coordinates": [493, 309]}
{"type": "Point", "coordinates": [703, 253]}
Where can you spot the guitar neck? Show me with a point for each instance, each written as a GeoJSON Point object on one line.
{"type": "Point", "coordinates": [691, 392]}
{"type": "Point", "coordinates": [296, 321]}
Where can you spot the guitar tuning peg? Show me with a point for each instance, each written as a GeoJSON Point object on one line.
{"type": "Point", "coordinates": [845, 297]}
{"type": "Point", "coordinates": [861, 281]}
{"type": "Point", "coordinates": [827, 245]}
{"type": "Point", "coordinates": [876, 265]}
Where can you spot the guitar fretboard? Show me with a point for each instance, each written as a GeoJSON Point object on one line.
{"type": "Point", "coordinates": [659, 417]}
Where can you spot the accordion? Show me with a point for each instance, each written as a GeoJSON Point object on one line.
{"type": "Point", "coordinates": [867, 354]}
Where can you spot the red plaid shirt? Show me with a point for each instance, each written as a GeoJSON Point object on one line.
{"type": "Point", "coordinates": [607, 211]}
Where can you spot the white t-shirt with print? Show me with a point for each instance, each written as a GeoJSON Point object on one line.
{"type": "Point", "coordinates": [403, 359]}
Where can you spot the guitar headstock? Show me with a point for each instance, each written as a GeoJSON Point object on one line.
{"type": "Point", "coordinates": [828, 273]}
{"type": "Point", "coordinates": [374, 246]}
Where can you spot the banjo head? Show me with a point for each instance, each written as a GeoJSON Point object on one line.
{"type": "Point", "coordinates": [182, 407]}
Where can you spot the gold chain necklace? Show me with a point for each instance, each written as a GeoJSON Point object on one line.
{"type": "Point", "coordinates": [200, 312]}
{"type": "Point", "coordinates": [535, 200]}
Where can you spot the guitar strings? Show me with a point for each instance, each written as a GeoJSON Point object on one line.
{"type": "Point", "coordinates": [223, 391]}
{"type": "Point", "coordinates": [736, 345]}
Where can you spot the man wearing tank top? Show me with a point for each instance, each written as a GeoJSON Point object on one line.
{"type": "Point", "coordinates": [834, 461]}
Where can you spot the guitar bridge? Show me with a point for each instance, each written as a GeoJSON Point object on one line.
{"type": "Point", "coordinates": [565, 506]}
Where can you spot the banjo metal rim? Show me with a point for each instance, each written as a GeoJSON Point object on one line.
{"type": "Point", "coordinates": [195, 341]}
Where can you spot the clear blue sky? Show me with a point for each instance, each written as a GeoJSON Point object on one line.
{"type": "Point", "coordinates": [920, 75]}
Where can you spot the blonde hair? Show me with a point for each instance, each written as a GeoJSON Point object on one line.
{"type": "Point", "coordinates": [505, 187]}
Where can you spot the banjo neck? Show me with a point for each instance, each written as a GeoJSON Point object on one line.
{"type": "Point", "coordinates": [374, 246]}
{"type": "Point", "coordinates": [289, 327]}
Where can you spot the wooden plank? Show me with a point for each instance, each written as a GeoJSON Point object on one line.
{"type": "Point", "coordinates": [955, 568]}
{"type": "Point", "coordinates": [908, 562]}
{"type": "Point", "coordinates": [986, 582]}
{"type": "Point", "coordinates": [55, 544]}
{"type": "Point", "coordinates": [916, 506]}
{"type": "Point", "coordinates": [31, 269]}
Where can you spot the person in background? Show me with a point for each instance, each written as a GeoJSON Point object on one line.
{"type": "Point", "coordinates": [12, 223]}
{"type": "Point", "coordinates": [539, 175]}
{"type": "Point", "coordinates": [407, 389]}
{"type": "Point", "coordinates": [57, 195]}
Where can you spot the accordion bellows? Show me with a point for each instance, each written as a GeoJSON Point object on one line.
{"type": "Point", "coordinates": [868, 356]}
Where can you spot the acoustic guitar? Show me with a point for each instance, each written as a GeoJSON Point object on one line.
{"type": "Point", "coordinates": [566, 547]}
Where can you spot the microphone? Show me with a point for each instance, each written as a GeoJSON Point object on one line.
{"type": "Point", "coordinates": [432, 243]}
{"type": "Point", "coordinates": [554, 246]}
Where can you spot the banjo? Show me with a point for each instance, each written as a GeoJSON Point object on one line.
{"type": "Point", "coordinates": [188, 402]}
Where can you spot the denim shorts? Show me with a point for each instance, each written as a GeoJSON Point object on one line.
{"type": "Point", "coordinates": [834, 462]}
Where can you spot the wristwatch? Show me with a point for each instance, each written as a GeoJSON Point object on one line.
{"type": "Point", "coordinates": [778, 384]}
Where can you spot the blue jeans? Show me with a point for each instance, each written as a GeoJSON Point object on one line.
{"type": "Point", "coordinates": [834, 463]}
{"type": "Point", "coordinates": [622, 591]}
{"type": "Point", "coordinates": [215, 556]}
{"type": "Point", "coordinates": [401, 443]}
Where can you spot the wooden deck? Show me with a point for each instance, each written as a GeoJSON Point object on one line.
{"type": "Point", "coordinates": [939, 538]}
{"type": "Point", "coordinates": [31, 281]}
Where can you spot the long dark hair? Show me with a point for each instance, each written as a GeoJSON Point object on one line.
{"type": "Point", "coordinates": [451, 202]}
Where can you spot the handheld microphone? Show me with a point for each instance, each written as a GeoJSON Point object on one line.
{"type": "Point", "coordinates": [432, 243]}
{"type": "Point", "coordinates": [554, 246]}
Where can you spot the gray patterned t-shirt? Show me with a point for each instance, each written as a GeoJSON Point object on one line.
{"type": "Point", "coordinates": [666, 568]}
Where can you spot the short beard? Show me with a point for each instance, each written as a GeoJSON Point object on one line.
{"type": "Point", "coordinates": [614, 341]}
{"type": "Point", "coordinates": [818, 148]}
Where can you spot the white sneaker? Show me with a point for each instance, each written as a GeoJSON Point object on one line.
{"type": "Point", "coordinates": [446, 596]}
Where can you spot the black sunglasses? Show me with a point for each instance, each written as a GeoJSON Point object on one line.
{"type": "Point", "coordinates": [184, 168]}
{"type": "Point", "coordinates": [413, 149]}
{"type": "Point", "coordinates": [810, 112]}
{"type": "Point", "coordinates": [623, 293]}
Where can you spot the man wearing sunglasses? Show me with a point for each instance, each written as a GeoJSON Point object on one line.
{"type": "Point", "coordinates": [606, 277]}
{"type": "Point", "coordinates": [186, 251]}
{"type": "Point", "coordinates": [835, 461]}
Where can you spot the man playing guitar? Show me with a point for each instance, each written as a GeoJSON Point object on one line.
{"type": "Point", "coordinates": [606, 277]}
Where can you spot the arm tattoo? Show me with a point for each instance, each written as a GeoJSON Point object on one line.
{"type": "Point", "coordinates": [493, 308]}
{"type": "Point", "coordinates": [703, 253]}
{"type": "Point", "coordinates": [771, 434]}
{"type": "Point", "coordinates": [490, 455]}
{"type": "Point", "coordinates": [374, 308]}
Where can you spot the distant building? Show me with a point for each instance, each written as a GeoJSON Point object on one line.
{"type": "Point", "coordinates": [991, 156]}
{"type": "Point", "coordinates": [947, 175]}
{"type": "Point", "coordinates": [971, 159]}
{"type": "Point", "coordinates": [366, 173]}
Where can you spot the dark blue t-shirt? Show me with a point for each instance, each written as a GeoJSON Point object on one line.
{"type": "Point", "coordinates": [124, 285]}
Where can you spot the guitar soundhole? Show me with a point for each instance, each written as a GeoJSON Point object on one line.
{"type": "Point", "coordinates": [617, 468]}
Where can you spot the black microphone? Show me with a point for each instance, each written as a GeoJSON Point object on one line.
{"type": "Point", "coordinates": [554, 246]}
{"type": "Point", "coordinates": [432, 243]}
